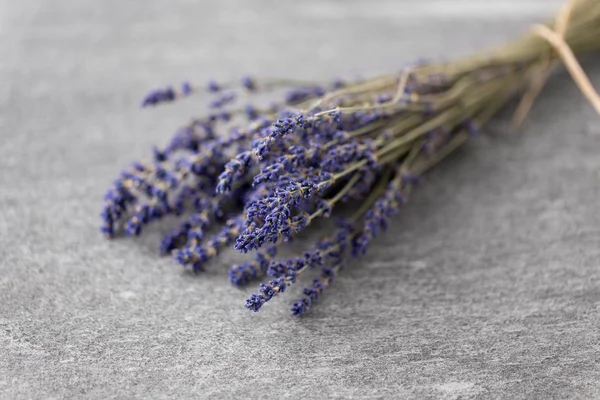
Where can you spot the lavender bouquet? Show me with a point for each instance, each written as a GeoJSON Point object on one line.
{"type": "Point", "coordinates": [263, 174]}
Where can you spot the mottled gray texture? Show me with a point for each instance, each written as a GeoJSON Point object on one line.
{"type": "Point", "coordinates": [487, 286]}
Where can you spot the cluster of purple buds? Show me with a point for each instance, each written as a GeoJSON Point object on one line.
{"type": "Point", "coordinates": [313, 293]}
{"type": "Point", "coordinates": [223, 100]}
{"type": "Point", "coordinates": [264, 182]}
{"type": "Point", "coordinates": [244, 273]}
{"type": "Point", "coordinates": [196, 254]}
{"type": "Point", "coordinates": [287, 272]}
{"type": "Point", "coordinates": [302, 94]}
{"type": "Point", "coordinates": [377, 218]}
{"type": "Point", "coordinates": [271, 219]}
{"type": "Point", "coordinates": [167, 94]}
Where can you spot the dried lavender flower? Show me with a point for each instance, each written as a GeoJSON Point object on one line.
{"type": "Point", "coordinates": [323, 143]}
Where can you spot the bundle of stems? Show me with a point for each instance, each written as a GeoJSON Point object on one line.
{"type": "Point", "coordinates": [261, 175]}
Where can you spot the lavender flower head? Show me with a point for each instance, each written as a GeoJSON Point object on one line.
{"type": "Point", "coordinates": [258, 176]}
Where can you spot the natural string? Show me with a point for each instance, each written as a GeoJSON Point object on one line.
{"type": "Point", "coordinates": [556, 39]}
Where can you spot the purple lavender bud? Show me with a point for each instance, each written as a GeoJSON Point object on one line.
{"type": "Point", "coordinates": [190, 137]}
{"type": "Point", "coordinates": [313, 258]}
{"type": "Point", "coordinates": [242, 274]}
{"type": "Point", "coordinates": [167, 243]}
{"type": "Point", "coordinates": [298, 223]}
{"type": "Point", "coordinates": [303, 93]}
{"type": "Point", "coordinates": [325, 206]}
{"type": "Point", "coordinates": [282, 127]}
{"type": "Point", "coordinates": [213, 86]}
{"type": "Point", "coordinates": [137, 166]}
{"type": "Point", "coordinates": [338, 83]}
{"type": "Point", "coordinates": [378, 216]}
{"type": "Point", "coordinates": [255, 302]}
{"type": "Point", "coordinates": [183, 256]}
{"type": "Point", "coordinates": [233, 169]}
{"type": "Point", "coordinates": [117, 201]}
{"type": "Point", "coordinates": [186, 88]}
{"type": "Point", "coordinates": [301, 307]}
{"type": "Point", "coordinates": [223, 100]}
{"type": "Point", "coordinates": [341, 237]}
{"type": "Point", "coordinates": [267, 291]}
{"type": "Point", "coordinates": [159, 96]}
{"type": "Point", "coordinates": [360, 244]}
{"type": "Point", "coordinates": [314, 292]}
{"type": "Point", "coordinates": [107, 227]}
{"type": "Point", "coordinates": [225, 116]}
{"type": "Point", "coordinates": [249, 83]}
{"type": "Point", "coordinates": [158, 155]}
{"type": "Point", "coordinates": [251, 112]}
{"type": "Point", "coordinates": [133, 227]}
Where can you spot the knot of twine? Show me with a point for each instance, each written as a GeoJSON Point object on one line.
{"type": "Point", "coordinates": [556, 38]}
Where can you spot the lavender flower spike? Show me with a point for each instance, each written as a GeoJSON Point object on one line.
{"type": "Point", "coordinates": [166, 95]}
{"type": "Point", "coordinates": [286, 273]}
{"type": "Point", "coordinates": [242, 274]}
{"type": "Point", "coordinates": [314, 292]}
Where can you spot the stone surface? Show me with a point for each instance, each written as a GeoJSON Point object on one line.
{"type": "Point", "coordinates": [487, 286]}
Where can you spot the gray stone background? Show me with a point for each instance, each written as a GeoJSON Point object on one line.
{"type": "Point", "coordinates": [487, 286]}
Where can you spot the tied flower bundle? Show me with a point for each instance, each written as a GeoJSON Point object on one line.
{"type": "Point", "coordinates": [262, 175]}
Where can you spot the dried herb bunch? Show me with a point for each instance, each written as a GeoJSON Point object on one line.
{"type": "Point", "coordinates": [264, 174]}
